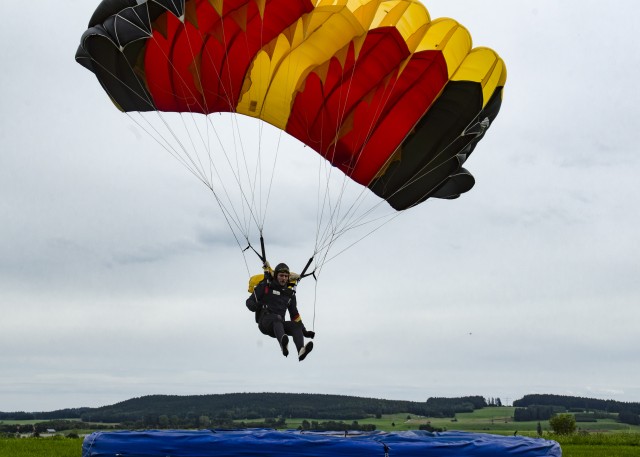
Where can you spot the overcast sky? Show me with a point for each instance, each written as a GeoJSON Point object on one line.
{"type": "Point", "coordinates": [119, 279]}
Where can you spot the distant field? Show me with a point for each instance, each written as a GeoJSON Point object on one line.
{"type": "Point", "coordinates": [24, 422]}
{"type": "Point", "coordinates": [498, 420]}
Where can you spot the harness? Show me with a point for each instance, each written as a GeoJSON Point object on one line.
{"type": "Point", "coordinates": [263, 309]}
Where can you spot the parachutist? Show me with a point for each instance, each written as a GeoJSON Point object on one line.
{"type": "Point", "coordinates": [270, 300]}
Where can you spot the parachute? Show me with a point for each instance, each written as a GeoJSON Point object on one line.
{"type": "Point", "coordinates": [394, 100]}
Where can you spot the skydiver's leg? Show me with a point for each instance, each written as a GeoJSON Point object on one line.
{"type": "Point", "coordinates": [276, 329]}
{"type": "Point", "coordinates": [266, 325]}
{"type": "Point", "coordinates": [295, 330]}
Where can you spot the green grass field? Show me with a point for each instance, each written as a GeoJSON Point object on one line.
{"type": "Point", "coordinates": [498, 420]}
{"type": "Point", "coordinates": [40, 447]}
{"type": "Point", "coordinates": [613, 444]}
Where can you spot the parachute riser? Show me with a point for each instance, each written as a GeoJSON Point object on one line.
{"type": "Point", "coordinates": [304, 274]}
{"type": "Point", "coordinates": [262, 256]}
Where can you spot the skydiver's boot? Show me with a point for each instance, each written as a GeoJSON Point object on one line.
{"type": "Point", "coordinates": [305, 350]}
{"type": "Point", "coordinates": [284, 342]}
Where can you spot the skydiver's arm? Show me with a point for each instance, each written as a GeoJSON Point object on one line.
{"type": "Point", "coordinates": [293, 310]}
{"type": "Point", "coordinates": [253, 302]}
{"type": "Point", "coordinates": [295, 316]}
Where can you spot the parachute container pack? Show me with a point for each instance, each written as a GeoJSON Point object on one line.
{"type": "Point", "coordinates": [395, 100]}
{"type": "Point", "coordinates": [271, 443]}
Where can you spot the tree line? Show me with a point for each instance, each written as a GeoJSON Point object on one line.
{"type": "Point", "coordinates": [543, 407]}
{"type": "Point", "coordinates": [578, 403]}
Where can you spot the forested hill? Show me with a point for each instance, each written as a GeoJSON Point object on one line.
{"type": "Point", "coordinates": [242, 406]}
{"type": "Point", "coordinates": [577, 403]}
{"type": "Point", "coordinates": [250, 406]}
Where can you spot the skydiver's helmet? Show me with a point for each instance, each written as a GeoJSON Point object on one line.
{"type": "Point", "coordinates": [281, 268]}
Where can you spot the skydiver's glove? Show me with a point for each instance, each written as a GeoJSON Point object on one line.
{"type": "Point", "coordinates": [268, 271]}
{"type": "Point", "coordinates": [294, 277]}
{"type": "Point", "coordinates": [308, 333]}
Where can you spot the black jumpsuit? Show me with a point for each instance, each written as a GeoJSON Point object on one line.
{"type": "Point", "coordinates": [270, 301]}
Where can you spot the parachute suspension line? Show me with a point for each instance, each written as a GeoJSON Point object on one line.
{"type": "Point", "coordinates": [199, 173]}
{"type": "Point", "coordinates": [251, 201]}
{"type": "Point", "coordinates": [327, 232]}
{"type": "Point", "coordinates": [366, 235]}
{"type": "Point", "coordinates": [251, 206]}
{"type": "Point", "coordinates": [349, 220]}
{"type": "Point", "coordinates": [192, 165]}
{"type": "Point", "coordinates": [213, 166]}
{"type": "Point", "coordinates": [197, 167]}
{"type": "Point", "coordinates": [180, 159]}
{"type": "Point", "coordinates": [272, 177]}
{"type": "Point", "coordinates": [189, 161]}
{"type": "Point", "coordinates": [238, 145]}
{"type": "Point", "coordinates": [255, 205]}
{"type": "Point", "coordinates": [225, 211]}
{"type": "Point", "coordinates": [352, 217]}
{"type": "Point", "coordinates": [206, 139]}
{"type": "Point", "coordinates": [176, 155]}
{"type": "Point", "coordinates": [237, 172]}
{"type": "Point", "coordinates": [164, 144]}
{"type": "Point", "coordinates": [258, 177]}
{"type": "Point", "coordinates": [258, 184]}
{"type": "Point", "coordinates": [202, 170]}
{"type": "Point", "coordinates": [323, 199]}
{"type": "Point", "coordinates": [322, 202]}
{"type": "Point", "coordinates": [230, 215]}
{"type": "Point", "coordinates": [234, 173]}
{"type": "Point", "coordinates": [353, 226]}
{"type": "Point", "coordinates": [262, 206]}
{"type": "Point", "coordinates": [315, 301]}
{"type": "Point", "coordinates": [338, 222]}
{"type": "Point", "coordinates": [328, 236]}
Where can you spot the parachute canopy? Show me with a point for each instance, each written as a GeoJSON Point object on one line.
{"type": "Point", "coordinates": [395, 100]}
{"type": "Point", "coordinates": [271, 443]}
